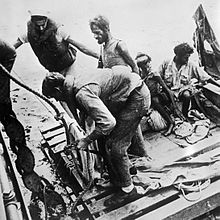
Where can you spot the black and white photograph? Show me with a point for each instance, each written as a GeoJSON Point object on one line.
{"type": "Point", "coordinates": [110, 110]}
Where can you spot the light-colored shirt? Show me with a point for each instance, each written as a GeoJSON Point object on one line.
{"type": "Point", "coordinates": [88, 97]}
{"type": "Point", "coordinates": [186, 75]}
{"type": "Point", "coordinates": [102, 94]}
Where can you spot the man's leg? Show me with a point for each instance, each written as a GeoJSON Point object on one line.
{"type": "Point", "coordinates": [157, 104]}
{"type": "Point", "coordinates": [185, 98]}
{"type": "Point", "coordinates": [116, 147]}
{"type": "Point", "coordinates": [119, 141]}
{"type": "Point", "coordinates": [138, 144]}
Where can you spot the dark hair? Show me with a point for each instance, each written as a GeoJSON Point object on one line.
{"type": "Point", "coordinates": [35, 18]}
{"type": "Point", "coordinates": [182, 49]}
{"type": "Point", "coordinates": [50, 82]}
{"type": "Point", "coordinates": [100, 21]}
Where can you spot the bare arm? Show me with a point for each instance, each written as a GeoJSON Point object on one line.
{"type": "Point", "coordinates": [122, 48]}
{"type": "Point", "coordinates": [83, 48]}
{"type": "Point", "coordinates": [165, 87]}
{"type": "Point", "coordinates": [170, 94]}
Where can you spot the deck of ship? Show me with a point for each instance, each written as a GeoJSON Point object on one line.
{"type": "Point", "coordinates": [165, 203]}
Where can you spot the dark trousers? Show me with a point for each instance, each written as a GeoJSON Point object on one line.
{"type": "Point", "coordinates": [119, 140]}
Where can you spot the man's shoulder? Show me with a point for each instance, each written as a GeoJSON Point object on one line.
{"type": "Point", "coordinates": [192, 63]}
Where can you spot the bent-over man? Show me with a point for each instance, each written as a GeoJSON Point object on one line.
{"type": "Point", "coordinates": [116, 102]}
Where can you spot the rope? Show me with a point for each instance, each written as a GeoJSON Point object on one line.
{"type": "Point", "coordinates": [193, 188]}
{"type": "Point", "coordinates": [82, 194]}
{"type": "Point", "coordinates": [59, 115]}
{"type": "Point", "coordinates": [87, 187]}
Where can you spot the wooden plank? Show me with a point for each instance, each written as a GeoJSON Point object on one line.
{"type": "Point", "coordinates": [97, 206]}
{"type": "Point", "coordinates": [57, 140]}
{"type": "Point", "coordinates": [95, 193]}
{"type": "Point", "coordinates": [145, 204]}
{"type": "Point", "coordinates": [167, 153]}
{"type": "Point", "coordinates": [50, 134]}
{"type": "Point", "coordinates": [208, 155]}
{"type": "Point", "coordinates": [59, 147]}
{"type": "Point", "coordinates": [185, 210]}
{"type": "Point", "coordinates": [50, 127]}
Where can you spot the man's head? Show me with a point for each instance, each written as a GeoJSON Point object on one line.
{"type": "Point", "coordinates": [52, 86]}
{"type": "Point", "coordinates": [183, 52]}
{"type": "Point", "coordinates": [144, 63]}
{"type": "Point", "coordinates": [100, 28]}
{"type": "Point", "coordinates": [39, 18]}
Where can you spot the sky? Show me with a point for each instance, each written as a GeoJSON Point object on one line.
{"type": "Point", "coordinates": [155, 26]}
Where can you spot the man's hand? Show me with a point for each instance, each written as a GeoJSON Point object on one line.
{"type": "Point", "coordinates": [68, 83]}
{"type": "Point", "coordinates": [83, 144]}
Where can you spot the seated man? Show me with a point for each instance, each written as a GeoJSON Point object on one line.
{"type": "Point", "coordinates": [181, 75]}
{"type": "Point", "coordinates": [159, 97]}
{"type": "Point", "coordinates": [116, 102]}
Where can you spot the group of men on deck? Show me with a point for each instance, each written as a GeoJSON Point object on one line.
{"type": "Point", "coordinates": [116, 95]}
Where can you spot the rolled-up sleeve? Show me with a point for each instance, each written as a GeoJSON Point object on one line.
{"type": "Point", "coordinates": [88, 98]}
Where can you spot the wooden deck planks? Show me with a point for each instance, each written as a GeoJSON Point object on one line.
{"type": "Point", "coordinates": [138, 207]}
{"type": "Point", "coordinates": [185, 210]}
{"type": "Point", "coordinates": [167, 153]}
{"type": "Point", "coordinates": [164, 150]}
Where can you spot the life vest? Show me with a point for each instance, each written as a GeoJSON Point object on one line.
{"type": "Point", "coordinates": [54, 54]}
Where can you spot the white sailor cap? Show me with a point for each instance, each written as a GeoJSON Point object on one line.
{"type": "Point", "coordinates": [39, 12]}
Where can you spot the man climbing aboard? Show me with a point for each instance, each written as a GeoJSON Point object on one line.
{"type": "Point", "coordinates": [54, 48]}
